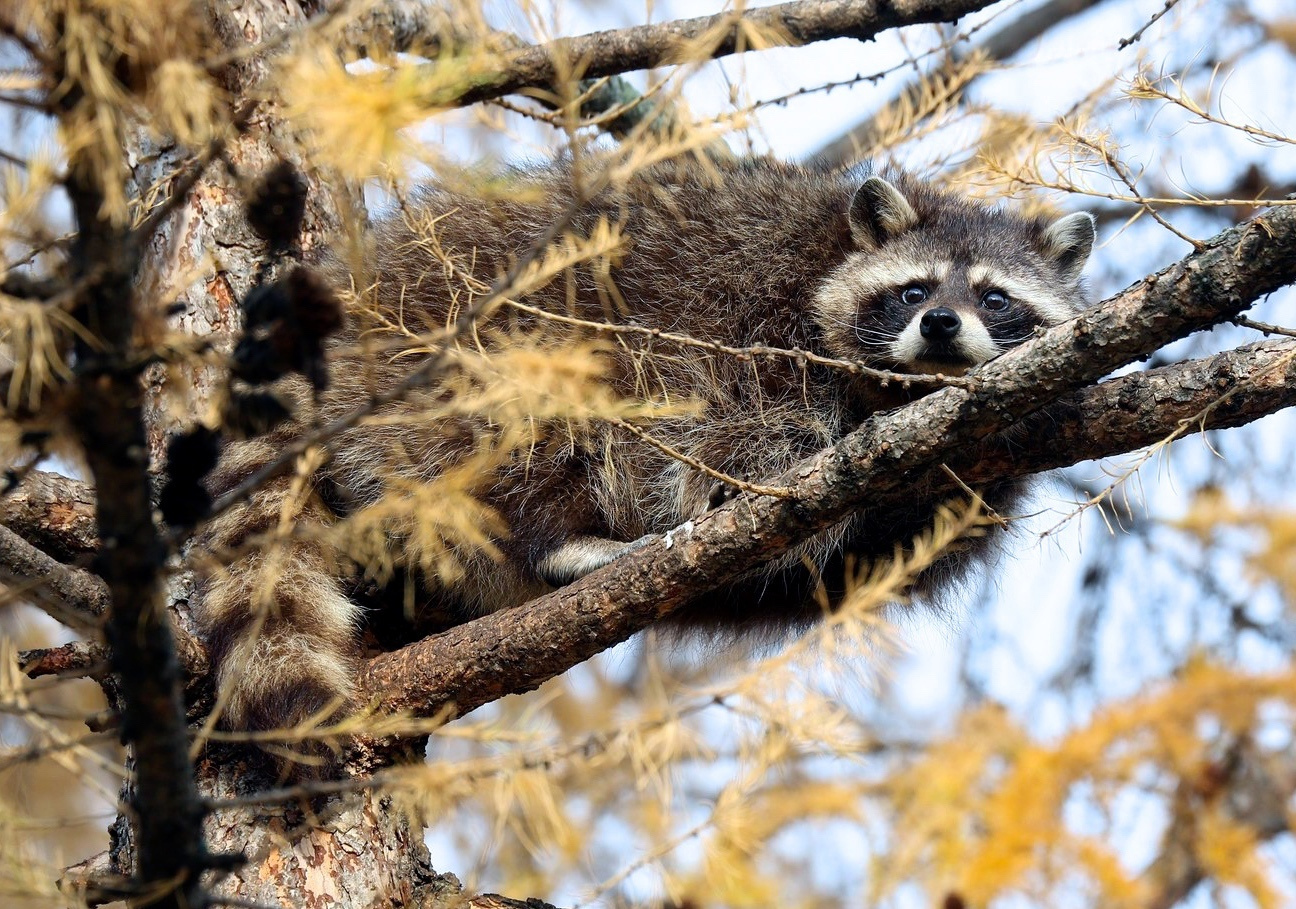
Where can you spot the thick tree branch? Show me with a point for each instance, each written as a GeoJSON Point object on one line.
{"type": "Point", "coordinates": [54, 513]}
{"type": "Point", "coordinates": [518, 649]}
{"type": "Point", "coordinates": [74, 597]}
{"type": "Point", "coordinates": [1228, 390]}
{"type": "Point", "coordinates": [612, 52]}
{"type": "Point", "coordinates": [1122, 415]}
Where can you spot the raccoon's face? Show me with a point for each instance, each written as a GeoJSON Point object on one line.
{"type": "Point", "coordinates": [940, 284]}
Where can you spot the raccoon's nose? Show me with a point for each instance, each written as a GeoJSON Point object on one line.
{"type": "Point", "coordinates": [939, 324]}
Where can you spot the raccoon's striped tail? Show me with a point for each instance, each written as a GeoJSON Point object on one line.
{"type": "Point", "coordinates": [281, 635]}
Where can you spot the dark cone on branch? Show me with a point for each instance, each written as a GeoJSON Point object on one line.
{"type": "Point", "coordinates": [190, 457]}
{"type": "Point", "coordinates": [277, 206]}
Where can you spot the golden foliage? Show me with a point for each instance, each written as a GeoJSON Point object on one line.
{"type": "Point", "coordinates": [926, 106]}
{"type": "Point", "coordinates": [1273, 527]}
{"type": "Point", "coordinates": [356, 122]}
{"type": "Point", "coordinates": [431, 525]}
{"type": "Point", "coordinates": [984, 814]}
{"type": "Point", "coordinates": [34, 339]}
{"type": "Point", "coordinates": [112, 53]}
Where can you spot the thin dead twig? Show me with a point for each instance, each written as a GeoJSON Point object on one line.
{"type": "Point", "coordinates": [1264, 327]}
{"type": "Point", "coordinates": [1126, 42]}
{"type": "Point", "coordinates": [796, 354]}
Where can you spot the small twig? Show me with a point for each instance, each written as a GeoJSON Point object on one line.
{"type": "Point", "coordinates": [854, 367]}
{"type": "Point", "coordinates": [49, 713]}
{"type": "Point", "coordinates": [658, 852]}
{"type": "Point", "coordinates": [1265, 327]}
{"type": "Point", "coordinates": [1121, 172]}
{"type": "Point", "coordinates": [1126, 42]}
{"type": "Point", "coordinates": [31, 753]}
{"type": "Point", "coordinates": [1141, 201]}
{"type": "Point", "coordinates": [1144, 87]}
{"type": "Point", "coordinates": [781, 492]}
{"type": "Point", "coordinates": [975, 496]}
{"type": "Point", "coordinates": [42, 107]}
{"type": "Point", "coordinates": [13, 159]}
{"type": "Point", "coordinates": [37, 249]}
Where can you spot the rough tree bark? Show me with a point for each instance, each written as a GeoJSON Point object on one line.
{"type": "Point", "coordinates": [367, 853]}
{"type": "Point", "coordinates": [359, 849]}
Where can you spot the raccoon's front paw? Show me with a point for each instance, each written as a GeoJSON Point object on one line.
{"type": "Point", "coordinates": [580, 555]}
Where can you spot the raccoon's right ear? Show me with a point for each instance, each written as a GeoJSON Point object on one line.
{"type": "Point", "coordinates": [1068, 242]}
{"type": "Point", "coordinates": [879, 212]}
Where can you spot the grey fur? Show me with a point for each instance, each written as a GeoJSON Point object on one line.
{"type": "Point", "coordinates": [744, 253]}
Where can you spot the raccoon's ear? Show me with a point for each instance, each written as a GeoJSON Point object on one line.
{"type": "Point", "coordinates": [1068, 242]}
{"type": "Point", "coordinates": [878, 212]}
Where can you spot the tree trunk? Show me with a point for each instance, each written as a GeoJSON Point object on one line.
{"type": "Point", "coordinates": [351, 849]}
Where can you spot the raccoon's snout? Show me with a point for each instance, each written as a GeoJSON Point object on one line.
{"type": "Point", "coordinates": [940, 324]}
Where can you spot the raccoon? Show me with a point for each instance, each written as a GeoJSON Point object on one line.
{"type": "Point", "coordinates": [884, 268]}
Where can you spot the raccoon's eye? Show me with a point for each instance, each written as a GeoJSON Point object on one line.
{"type": "Point", "coordinates": [913, 295]}
{"type": "Point", "coordinates": [995, 300]}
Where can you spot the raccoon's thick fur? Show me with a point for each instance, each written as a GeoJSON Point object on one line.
{"type": "Point", "coordinates": [883, 269]}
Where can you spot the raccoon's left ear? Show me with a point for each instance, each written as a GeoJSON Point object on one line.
{"type": "Point", "coordinates": [1068, 242]}
{"type": "Point", "coordinates": [879, 212]}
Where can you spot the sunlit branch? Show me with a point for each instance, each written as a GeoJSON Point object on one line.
{"type": "Point", "coordinates": [646, 46]}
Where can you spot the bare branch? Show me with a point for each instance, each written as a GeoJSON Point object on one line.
{"type": "Point", "coordinates": [1126, 42]}
{"type": "Point", "coordinates": [610, 53]}
{"type": "Point", "coordinates": [1265, 327]}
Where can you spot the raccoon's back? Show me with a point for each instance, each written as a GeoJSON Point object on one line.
{"type": "Point", "coordinates": [726, 253]}
{"type": "Point", "coordinates": [730, 252]}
